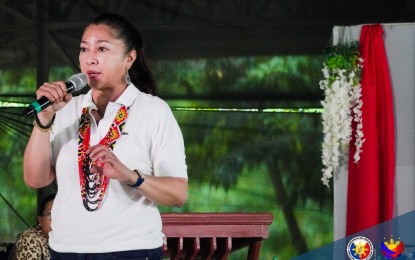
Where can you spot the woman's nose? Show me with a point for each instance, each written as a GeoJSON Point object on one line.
{"type": "Point", "coordinates": [91, 60]}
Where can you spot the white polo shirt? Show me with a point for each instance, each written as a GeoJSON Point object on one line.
{"type": "Point", "coordinates": [151, 142]}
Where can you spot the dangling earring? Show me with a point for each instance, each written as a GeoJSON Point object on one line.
{"type": "Point", "coordinates": [127, 78]}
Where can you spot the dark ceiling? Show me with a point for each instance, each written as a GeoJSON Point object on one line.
{"type": "Point", "coordinates": [45, 33]}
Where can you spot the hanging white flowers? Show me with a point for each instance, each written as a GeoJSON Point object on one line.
{"type": "Point", "coordinates": [342, 104]}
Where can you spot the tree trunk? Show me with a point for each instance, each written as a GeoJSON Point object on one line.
{"type": "Point", "coordinates": [297, 237]}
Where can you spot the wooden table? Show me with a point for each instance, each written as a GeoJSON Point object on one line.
{"type": "Point", "coordinates": [213, 235]}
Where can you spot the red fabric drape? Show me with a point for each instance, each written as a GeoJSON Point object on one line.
{"type": "Point", "coordinates": [370, 194]}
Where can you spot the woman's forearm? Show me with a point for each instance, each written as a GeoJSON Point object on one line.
{"type": "Point", "coordinates": [37, 169]}
{"type": "Point", "coordinates": [165, 191]}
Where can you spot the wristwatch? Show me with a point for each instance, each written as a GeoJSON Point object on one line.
{"type": "Point", "coordinates": [139, 181]}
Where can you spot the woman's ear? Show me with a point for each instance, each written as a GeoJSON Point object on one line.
{"type": "Point", "coordinates": [131, 57]}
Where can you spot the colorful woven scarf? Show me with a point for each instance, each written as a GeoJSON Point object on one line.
{"type": "Point", "coordinates": [94, 185]}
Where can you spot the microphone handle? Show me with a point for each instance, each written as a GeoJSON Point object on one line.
{"type": "Point", "coordinates": [37, 106]}
{"type": "Point", "coordinates": [44, 102]}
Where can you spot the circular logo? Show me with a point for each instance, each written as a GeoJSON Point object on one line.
{"type": "Point", "coordinates": [392, 249]}
{"type": "Point", "coordinates": [360, 248]}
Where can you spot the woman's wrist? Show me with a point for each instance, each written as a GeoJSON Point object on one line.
{"type": "Point", "coordinates": [137, 181]}
{"type": "Point", "coordinates": [37, 122]}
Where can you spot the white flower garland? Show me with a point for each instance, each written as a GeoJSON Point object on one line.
{"type": "Point", "coordinates": [342, 92]}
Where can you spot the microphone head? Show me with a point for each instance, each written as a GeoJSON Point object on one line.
{"type": "Point", "coordinates": [79, 81]}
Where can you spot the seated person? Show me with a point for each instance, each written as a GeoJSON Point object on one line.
{"type": "Point", "coordinates": [33, 243]}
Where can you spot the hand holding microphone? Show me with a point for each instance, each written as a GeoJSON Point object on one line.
{"type": "Point", "coordinates": [76, 82]}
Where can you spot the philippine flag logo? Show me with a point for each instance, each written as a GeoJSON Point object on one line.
{"type": "Point", "coordinates": [360, 248]}
{"type": "Point", "coordinates": [392, 249]}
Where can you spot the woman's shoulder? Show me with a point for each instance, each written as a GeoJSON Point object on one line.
{"type": "Point", "coordinates": [152, 103]}
{"type": "Point", "coordinates": [30, 234]}
{"type": "Point", "coordinates": [31, 244]}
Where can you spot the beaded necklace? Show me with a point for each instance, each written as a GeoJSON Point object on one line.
{"type": "Point", "coordinates": [94, 185]}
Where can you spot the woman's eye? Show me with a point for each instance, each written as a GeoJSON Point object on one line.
{"type": "Point", "coordinates": [102, 49]}
{"type": "Point", "coordinates": [82, 49]}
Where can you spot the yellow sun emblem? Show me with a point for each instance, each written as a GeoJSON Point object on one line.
{"type": "Point", "coordinates": [360, 248]}
{"type": "Point", "coordinates": [392, 244]}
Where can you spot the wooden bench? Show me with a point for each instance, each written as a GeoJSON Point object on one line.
{"type": "Point", "coordinates": [213, 235]}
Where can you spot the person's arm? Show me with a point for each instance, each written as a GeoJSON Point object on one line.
{"type": "Point", "coordinates": [165, 191]}
{"type": "Point", "coordinates": [37, 168]}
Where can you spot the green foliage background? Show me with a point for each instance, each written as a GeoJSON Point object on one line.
{"type": "Point", "coordinates": [238, 161]}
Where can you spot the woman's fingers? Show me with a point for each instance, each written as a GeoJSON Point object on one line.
{"type": "Point", "coordinates": [54, 91]}
{"type": "Point", "coordinates": [99, 153]}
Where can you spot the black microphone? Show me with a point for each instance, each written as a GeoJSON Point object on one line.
{"type": "Point", "coordinates": [75, 82]}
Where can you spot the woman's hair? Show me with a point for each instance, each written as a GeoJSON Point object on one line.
{"type": "Point", "coordinates": [45, 201]}
{"type": "Point", "coordinates": [139, 72]}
